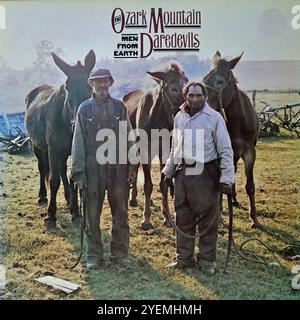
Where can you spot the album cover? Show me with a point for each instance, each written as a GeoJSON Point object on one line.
{"type": "Point", "coordinates": [53, 54]}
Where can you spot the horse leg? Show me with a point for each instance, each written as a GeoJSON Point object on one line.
{"type": "Point", "coordinates": [234, 194]}
{"type": "Point", "coordinates": [148, 186]}
{"type": "Point", "coordinates": [74, 209]}
{"type": "Point", "coordinates": [55, 169]}
{"type": "Point", "coordinates": [249, 159]}
{"type": "Point", "coordinates": [64, 178]}
{"type": "Point", "coordinates": [134, 192]}
{"type": "Point", "coordinates": [165, 205]}
{"type": "Point", "coordinates": [43, 166]}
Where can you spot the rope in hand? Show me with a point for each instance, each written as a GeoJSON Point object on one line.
{"type": "Point", "coordinates": [82, 213]}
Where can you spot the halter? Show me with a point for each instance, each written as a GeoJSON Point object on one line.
{"type": "Point", "coordinates": [219, 93]}
{"type": "Point", "coordinates": [72, 120]}
{"type": "Point", "coordinates": [165, 97]}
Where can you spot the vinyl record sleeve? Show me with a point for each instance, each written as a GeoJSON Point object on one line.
{"type": "Point", "coordinates": [135, 40]}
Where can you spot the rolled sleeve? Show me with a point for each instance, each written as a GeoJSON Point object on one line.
{"type": "Point", "coordinates": [225, 152]}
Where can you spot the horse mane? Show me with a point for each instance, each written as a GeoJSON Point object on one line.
{"type": "Point", "coordinates": [174, 66]}
{"type": "Point", "coordinates": [218, 62]}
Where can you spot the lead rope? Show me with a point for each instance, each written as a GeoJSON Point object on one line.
{"type": "Point", "coordinates": [82, 212]}
{"type": "Point", "coordinates": [241, 251]}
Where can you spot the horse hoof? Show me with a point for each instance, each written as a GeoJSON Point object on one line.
{"type": "Point", "coordinates": [146, 226]}
{"type": "Point", "coordinates": [42, 201]}
{"type": "Point", "coordinates": [256, 225]}
{"type": "Point", "coordinates": [50, 224]}
{"type": "Point", "coordinates": [133, 203]}
{"type": "Point", "coordinates": [168, 224]}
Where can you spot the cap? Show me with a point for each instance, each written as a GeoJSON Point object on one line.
{"type": "Point", "coordinates": [101, 74]}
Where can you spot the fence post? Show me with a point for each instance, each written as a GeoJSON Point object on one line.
{"type": "Point", "coordinates": [254, 99]}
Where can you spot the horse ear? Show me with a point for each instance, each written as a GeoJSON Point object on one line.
{"type": "Point", "coordinates": [217, 54]}
{"type": "Point", "coordinates": [157, 76]}
{"type": "Point", "coordinates": [215, 59]}
{"type": "Point", "coordinates": [90, 60]}
{"type": "Point", "coordinates": [63, 66]}
{"type": "Point", "coordinates": [232, 63]}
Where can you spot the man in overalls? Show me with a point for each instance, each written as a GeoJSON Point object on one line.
{"type": "Point", "coordinates": [96, 171]}
{"type": "Point", "coordinates": [197, 193]}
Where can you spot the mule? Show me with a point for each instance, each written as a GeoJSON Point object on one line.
{"type": "Point", "coordinates": [155, 109]}
{"type": "Point", "coordinates": [49, 118]}
{"type": "Point", "coordinates": [240, 117]}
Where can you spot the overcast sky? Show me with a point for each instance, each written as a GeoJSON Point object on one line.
{"type": "Point", "coordinates": [260, 28]}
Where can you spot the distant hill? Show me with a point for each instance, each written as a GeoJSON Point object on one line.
{"type": "Point", "coordinates": [131, 75]}
{"type": "Point", "coordinates": [272, 75]}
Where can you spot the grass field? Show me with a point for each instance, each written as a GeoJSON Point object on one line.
{"type": "Point", "coordinates": [278, 99]}
{"type": "Point", "coordinates": [31, 251]}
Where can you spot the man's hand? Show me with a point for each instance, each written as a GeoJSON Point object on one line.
{"type": "Point", "coordinates": [226, 188]}
{"type": "Point", "coordinates": [131, 177]}
{"type": "Point", "coordinates": [169, 182]}
{"type": "Point", "coordinates": [81, 184]}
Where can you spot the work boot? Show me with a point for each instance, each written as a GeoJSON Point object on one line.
{"type": "Point", "coordinates": [94, 264]}
{"type": "Point", "coordinates": [180, 265]}
{"type": "Point", "coordinates": [122, 262]}
{"type": "Point", "coordinates": [207, 267]}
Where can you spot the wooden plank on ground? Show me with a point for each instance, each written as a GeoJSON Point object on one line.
{"type": "Point", "coordinates": [57, 283]}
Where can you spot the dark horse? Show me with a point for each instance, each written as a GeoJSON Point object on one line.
{"type": "Point", "coordinates": [240, 116]}
{"type": "Point", "coordinates": [155, 109]}
{"type": "Point", "coordinates": [50, 115]}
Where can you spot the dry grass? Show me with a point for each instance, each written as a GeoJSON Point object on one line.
{"type": "Point", "coordinates": [278, 99]}
{"type": "Point", "coordinates": [31, 251]}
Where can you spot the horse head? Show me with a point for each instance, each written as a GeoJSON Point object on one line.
{"type": "Point", "coordinates": [171, 82]}
{"type": "Point", "coordinates": [220, 82]}
{"type": "Point", "coordinates": [76, 86]}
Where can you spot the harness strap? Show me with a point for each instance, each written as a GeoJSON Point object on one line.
{"type": "Point", "coordinates": [219, 92]}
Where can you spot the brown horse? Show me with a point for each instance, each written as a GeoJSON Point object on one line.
{"type": "Point", "coordinates": [155, 109]}
{"type": "Point", "coordinates": [50, 115]}
{"type": "Point", "coordinates": [240, 116]}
